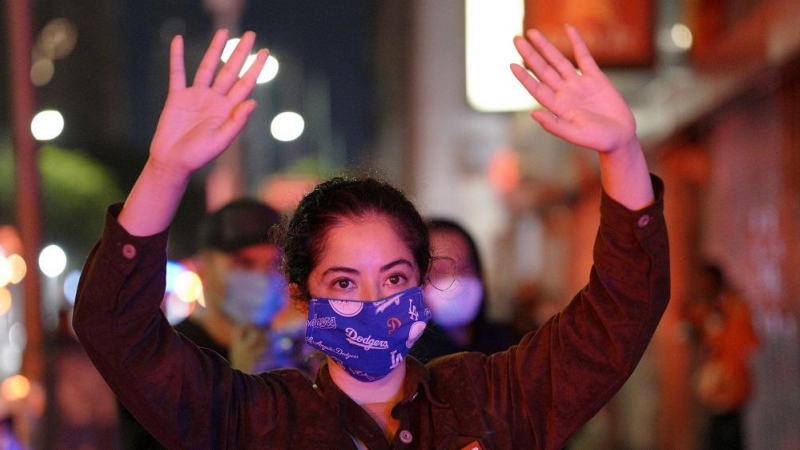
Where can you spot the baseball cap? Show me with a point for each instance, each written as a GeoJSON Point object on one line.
{"type": "Point", "coordinates": [238, 224]}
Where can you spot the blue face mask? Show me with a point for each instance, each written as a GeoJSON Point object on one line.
{"type": "Point", "coordinates": [253, 297]}
{"type": "Point", "coordinates": [367, 339]}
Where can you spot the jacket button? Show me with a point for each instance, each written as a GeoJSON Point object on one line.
{"type": "Point", "coordinates": [129, 251]}
{"type": "Point", "coordinates": [406, 437]}
{"type": "Point", "coordinates": [643, 220]}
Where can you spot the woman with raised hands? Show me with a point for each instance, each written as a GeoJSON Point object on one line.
{"type": "Point", "coordinates": [356, 255]}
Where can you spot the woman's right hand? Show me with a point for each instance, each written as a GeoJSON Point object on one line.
{"type": "Point", "coordinates": [200, 121]}
{"type": "Point", "coordinates": [197, 124]}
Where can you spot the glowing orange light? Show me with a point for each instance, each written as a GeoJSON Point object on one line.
{"type": "Point", "coordinates": [5, 300]}
{"type": "Point", "coordinates": [15, 388]}
{"type": "Point", "coordinates": [504, 170]}
{"type": "Point", "coordinates": [9, 239]}
{"type": "Point", "coordinates": [18, 268]}
{"type": "Point", "coordinates": [188, 286]}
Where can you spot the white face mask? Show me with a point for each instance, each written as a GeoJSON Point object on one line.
{"type": "Point", "coordinates": [457, 305]}
{"type": "Point", "coordinates": [253, 297]}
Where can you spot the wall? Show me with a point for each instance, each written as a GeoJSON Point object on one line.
{"type": "Point", "coordinates": [753, 228]}
{"type": "Point", "coordinates": [733, 197]}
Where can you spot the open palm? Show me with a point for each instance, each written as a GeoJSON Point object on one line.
{"type": "Point", "coordinates": [200, 121]}
{"type": "Point", "coordinates": [580, 106]}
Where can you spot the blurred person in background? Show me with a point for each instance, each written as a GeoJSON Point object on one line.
{"type": "Point", "coordinates": [718, 319]}
{"type": "Point", "coordinates": [247, 317]}
{"type": "Point", "coordinates": [80, 410]}
{"type": "Point", "coordinates": [458, 298]}
{"type": "Point", "coordinates": [247, 312]}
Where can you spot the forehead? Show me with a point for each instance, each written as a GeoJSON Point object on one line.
{"type": "Point", "coordinates": [451, 244]}
{"type": "Point", "coordinates": [363, 240]}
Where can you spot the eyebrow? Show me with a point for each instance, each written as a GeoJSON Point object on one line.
{"type": "Point", "coordinates": [397, 262]}
{"type": "Point", "coordinates": [384, 268]}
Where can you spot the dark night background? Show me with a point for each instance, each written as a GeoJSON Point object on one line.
{"type": "Point", "coordinates": [110, 89]}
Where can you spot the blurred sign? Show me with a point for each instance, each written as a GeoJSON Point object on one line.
{"type": "Point", "coordinates": [618, 33]}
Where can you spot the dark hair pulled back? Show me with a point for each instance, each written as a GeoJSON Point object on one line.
{"type": "Point", "coordinates": [341, 198]}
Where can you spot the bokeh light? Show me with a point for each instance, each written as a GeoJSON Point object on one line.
{"type": "Point", "coordinates": [5, 300]}
{"type": "Point", "coordinates": [228, 50]}
{"type": "Point", "coordinates": [47, 125]}
{"type": "Point", "coordinates": [176, 309]}
{"type": "Point", "coordinates": [42, 71]}
{"type": "Point", "coordinates": [681, 36]}
{"type": "Point", "coordinates": [5, 271]}
{"type": "Point", "coordinates": [58, 38]}
{"type": "Point", "coordinates": [71, 285]}
{"type": "Point", "coordinates": [17, 336]}
{"type": "Point", "coordinates": [15, 388]}
{"type": "Point", "coordinates": [188, 286]}
{"type": "Point", "coordinates": [9, 240]}
{"type": "Point", "coordinates": [271, 67]}
{"type": "Point", "coordinates": [287, 126]}
{"type": "Point", "coordinates": [18, 268]}
{"type": "Point", "coordinates": [174, 268]}
{"type": "Point", "coordinates": [490, 28]}
{"type": "Point", "coordinates": [270, 70]}
{"type": "Point", "coordinates": [52, 261]}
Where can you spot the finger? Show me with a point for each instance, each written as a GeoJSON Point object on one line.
{"type": "Point", "coordinates": [242, 88]}
{"type": "Point", "coordinates": [208, 65]}
{"type": "Point", "coordinates": [233, 125]}
{"type": "Point", "coordinates": [537, 63]}
{"type": "Point", "coordinates": [530, 83]}
{"type": "Point", "coordinates": [229, 73]}
{"type": "Point", "coordinates": [542, 93]}
{"type": "Point", "coordinates": [177, 72]}
{"type": "Point", "coordinates": [583, 57]}
{"type": "Point", "coordinates": [550, 53]}
{"type": "Point", "coordinates": [556, 126]}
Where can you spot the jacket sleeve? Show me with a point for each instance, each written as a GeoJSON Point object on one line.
{"type": "Point", "coordinates": [182, 394]}
{"type": "Point", "coordinates": [559, 377]}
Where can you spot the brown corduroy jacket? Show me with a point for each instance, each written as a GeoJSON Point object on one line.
{"type": "Point", "coordinates": [535, 395]}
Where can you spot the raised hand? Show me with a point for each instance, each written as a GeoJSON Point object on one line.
{"type": "Point", "coordinates": [200, 121]}
{"type": "Point", "coordinates": [580, 106]}
{"type": "Point", "coordinates": [196, 125]}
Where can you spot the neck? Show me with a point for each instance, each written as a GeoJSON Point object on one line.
{"type": "Point", "coordinates": [388, 388]}
{"type": "Point", "coordinates": [376, 397]}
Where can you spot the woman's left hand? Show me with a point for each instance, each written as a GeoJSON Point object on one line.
{"type": "Point", "coordinates": [580, 106]}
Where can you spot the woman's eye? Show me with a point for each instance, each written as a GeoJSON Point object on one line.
{"type": "Point", "coordinates": [343, 283]}
{"type": "Point", "coordinates": [396, 279]}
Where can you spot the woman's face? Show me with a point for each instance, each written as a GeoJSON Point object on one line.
{"type": "Point", "coordinates": [363, 259]}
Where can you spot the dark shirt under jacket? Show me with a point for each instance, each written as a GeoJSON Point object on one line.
{"type": "Point", "coordinates": [533, 396]}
